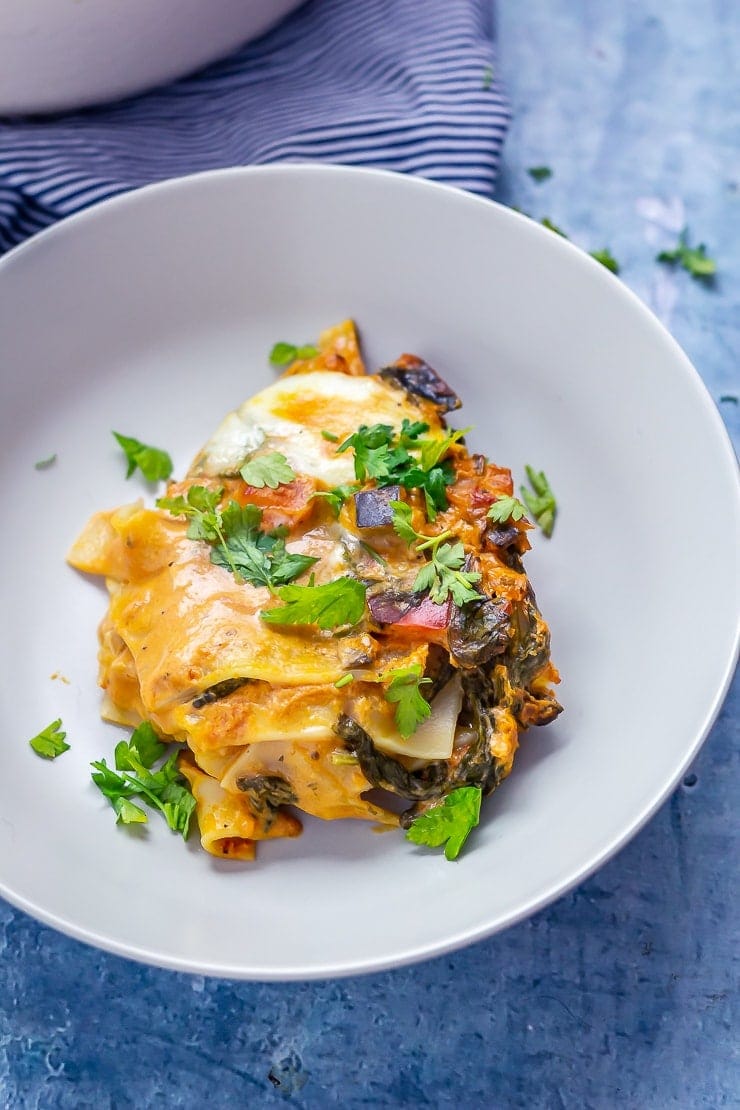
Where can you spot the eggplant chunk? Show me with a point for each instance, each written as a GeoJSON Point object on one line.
{"type": "Point", "coordinates": [419, 379]}
{"type": "Point", "coordinates": [372, 506]}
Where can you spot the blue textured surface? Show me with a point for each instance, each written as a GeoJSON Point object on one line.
{"type": "Point", "coordinates": [624, 992]}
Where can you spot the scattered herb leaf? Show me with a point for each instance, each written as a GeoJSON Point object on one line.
{"type": "Point", "coordinates": [331, 605]}
{"type": "Point", "coordinates": [404, 692]}
{"type": "Point", "coordinates": [449, 823]}
{"type": "Point", "coordinates": [163, 789]}
{"type": "Point", "coordinates": [729, 398]}
{"type": "Point", "coordinates": [539, 173]}
{"type": "Point", "coordinates": [442, 576]}
{"type": "Point", "coordinates": [329, 436]}
{"type": "Point", "coordinates": [606, 258]}
{"type": "Point", "coordinates": [547, 222]}
{"type": "Point", "coordinates": [282, 354]}
{"type": "Point", "coordinates": [154, 464]}
{"type": "Point", "coordinates": [272, 470]}
{"type": "Point", "coordinates": [344, 680]}
{"type": "Point", "coordinates": [506, 508]}
{"type": "Point", "coordinates": [693, 259]}
{"type": "Point", "coordinates": [336, 497]}
{"type": "Point", "coordinates": [50, 742]}
{"type": "Point", "coordinates": [44, 464]}
{"type": "Point", "coordinates": [540, 503]}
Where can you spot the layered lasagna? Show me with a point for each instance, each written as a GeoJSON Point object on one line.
{"type": "Point", "coordinates": [329, 611]}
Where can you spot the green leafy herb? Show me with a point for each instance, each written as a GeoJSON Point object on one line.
{"type": "Point", "coordinates": [442, 576]}
{"type": "Point", "coordinates": [693, 259]}
{"type": "Point", "coordinates": [329, 436]}
{"type": "Point", "coordinates": [336, 497]}
{"type": "Point", "coordinates": [344, 680]}
{"type": "Point", "coordinates": [547, 222]}
{"type": "Point", "coordinates": [404, 692]}
{"type": "Point", "coordinates": [332, 605]}
{"type": "Point", "coordinates": [506, 508]}
{"type": "Point", "coordinates": [487, 78]}
{"type": "Point", "coordinates": [606, 258]}
{"type": "Point", "coordinates": [282, 354]}
{"type": "Point", "coordinates": [540, 503]}
{"type": "Point", "coordinates": [729, 398]}
{"type": "Point", "coordinates": [154, 464]}
{"type": "Point", "coordinates": [449, 823]}
{"type": "Point", "coordinates": [432, 450]}
{"type": "Point", "coordinates": [50, 742]}
{"type": "Point", "coordinates": [44, 464]}
{"type": "Point", "coordinates": [539, 173]}
{"type": "Point", "coordinates": [272, 470]}
{"type": "Point", "coordinates": [238, 544]}
{"type": "Point", "coordinates": [164, 789]}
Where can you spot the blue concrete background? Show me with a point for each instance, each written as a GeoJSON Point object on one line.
{"type": "Point", "coordinates": [623, 993]}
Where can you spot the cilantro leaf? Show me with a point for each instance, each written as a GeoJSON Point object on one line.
{"type": "Point", "coordinates": [164, 789]}
{"type": "Point", "coordinates": [143, 749]}
{"type": "Point", "coordinates": [128, 813]}
{"type": "Point", "coordinates": [404, 693]}
{"type": "Point", "coordinates": [432, 450]}
{"type": "Point", "coordinates": [506, 508]}
{"type": "Point", "coordinates": [540, 503]}
{"type": "Point", "coordinates": [272, 470]}
{"type": "Point", "coordinates": [154, 464]}
{"type": "Point", "coordinates": [336, 497]}
{"type": "Point", "coordinates": [332, 605]}
{"type": "Point", "coordinates": [449, 823]}
{"type": "Point", "coordinates": [606, 258]}
{"type": "Point", "coordinates": [329, 436]}
{"type": "Point", "coordinates": [200, 506]}
{"type": "Point", "coordinates": [442, 576]}
{"type": "Point", "coordinates": [50, 742]}
{"type": "Point", "coordinates": [282, 354]}
{"type": "Point", "coordinates": [539, 173]}
{"type": "Point", "coordinates": [547, 222]}
{"type": "Point", "coordinates": [693, 259]}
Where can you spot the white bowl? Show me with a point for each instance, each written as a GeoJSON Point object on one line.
{"type": "Point", "coordinates": [153, 314]}
{"type": "Point", "coordinates": [62, 54]}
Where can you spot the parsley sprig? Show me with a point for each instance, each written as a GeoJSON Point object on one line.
{"type": "Point", "coordinates": [331, 605]}
{"type": "Point", "coordinates": [540, 500]}
{"type": "Point", "coordinates": [271, 470]}
{"type": "Point", "coordinates": [404, 692]}
{"type": "Point", "coordinates": [385, 454]}
{"type": "Point", "coordinates": [282, 354]}
{"type": "Point", "coordinates": [442, 575]}
{"type": "Point", "coordinates": [154, 464]}
{"type": "Point", "coordinates": [449, 823]}
{"type": "Point", "coordinates": [50, 742]}
{"type": "Point", "coordinates": [693, 259]}
{"type": "Point", "coordinates": [506, 508]}
{"type": "Point", "coordinates": [133, 777]}
{"type": "Point", "coordinates": [237, 541]}
{"type": "Point", "coordinates": [336, 497]}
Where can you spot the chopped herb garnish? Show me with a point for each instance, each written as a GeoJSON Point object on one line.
{"type": "Point", "coordinates": [331, 605]}
{"type": "Point", "coordinates": [449, 823]}
{"type": "Point", "coordinates": [547, 222]}
{"type": "Point", "coordinates": [404, 692]}
{"type": "Point", "coordinates": [44, 464]}
{"type": "Point", "coordinates": [606, 258]}
{"type": "Point", "coordinates": [329, 436]}
{"type": "Point", "coordinates": [336, 497]}
{"type": "Point", "coordinates": [272, 470]}
{"type": "Point", "coordinates": [487, 78]}
{"type": "Point", "coordinates": [539, 173]}
{"type": "Point", "coordinates": [506, 508]}
{"type": "Point", "coordinates": [442, 576]}
{"type": "Point", "coordinates": [729, 398]}
{"type": "Point", "coordinates": [693, 259]}
{"type": "Point", "coordinates": [238, 544]}
{"type": "Point", "coordinates": [50, 742]}
{"type": "Point", "coordinates": [344, 680]}
{"type": "Point", "coordinates": [282, 354]}
{"type": "Point", "coordinates": [154, 464]}
{"type": "Point", "coordinates": [164, 789]}
{"type": "Point", "coordinates": [540, 503]}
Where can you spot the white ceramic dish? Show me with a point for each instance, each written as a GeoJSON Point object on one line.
{"type": "Point", "coordinates": [153, 314]}
{"type": "Point", "coordinates": [62, 54]}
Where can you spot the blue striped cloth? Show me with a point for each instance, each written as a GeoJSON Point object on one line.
{"type": "Point", "coordinates": [408, 85]}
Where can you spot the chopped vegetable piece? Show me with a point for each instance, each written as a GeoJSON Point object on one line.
{"type": "Point", "coordinates": [282, 354]}
{"type": "Point", "coordinates": [547, 222]}
{"type": "Point", "coordinates": [541, 504]}
{"type": "Point", "coordinates": [336, 497]}
{"type": "Point", "coordinates": [331, 605]}
{"type": "Point", "coordinates": [411, 707]}
{"type": "Point", "coordinates": [344, 680]}
{"type": "Point", "coordinates": [606, 258]}
{"type": "Point", "coordinates": [44, 464]}
{"type": "Point", "coordinates": [50, 742]}
{"type": "Point", "coordinates": [693, 259]}
{"type": "Point", "coordinates": [449, 823]}
{"type": "Point", "coordinates": [539, 173]}
{"type": "Point", "coordinates": [419, 379]}
{"type": "Point", "coordinates": [154, 464]}
{"type": "Point", "coordinates": [133, 778]}
{"type": "Point", "coordinates": [272, 470]}
{"type": "Point", "coordinates": [372, 506]}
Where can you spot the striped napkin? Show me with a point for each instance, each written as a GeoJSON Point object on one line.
{"type": "Point", "coordinates": [407, 85]}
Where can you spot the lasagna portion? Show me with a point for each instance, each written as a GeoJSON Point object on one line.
{"type": "Point", "coordinates": [330, 610]}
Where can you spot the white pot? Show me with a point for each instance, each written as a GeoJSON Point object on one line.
{"type": "Point", "coordinates": [62, 54]}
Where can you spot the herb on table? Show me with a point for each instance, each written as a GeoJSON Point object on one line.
{"type": "Point", "coordinates": [729, 398]}
{"type": "Point", "coordinates": [44, 464]}
{"type": "Point", "coordinates": [506, 508]}
{"type": "Point", "coordinates": [539, 173]}
{"type": "Point", "coordinates": [404, 692]}
{"type": "Point", "coordinates": [606, 258]}
{"type": "Point", "coordinates": [693, 259]}
{"type": "Point", "coordinates": [331, 605]}
{"type": "Point", "coordinates": [164, 789]}
{"type": "Point", "coordinates": [449, 823]}
{"type": "Point", "coordinates": [237, 541]}
{"type": "Point", "coordinates": [540, 500]}
{"type": "Point", "coordinates": [282, 354]}
{"type": "Point", "coordinates": [442, 575]}
{"type": "Point", "coordinates": [50, 742]}
{"type": "Point", "coordinates": [154, 464]}
{"type": "Point", "coordinates": [272, 470]}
